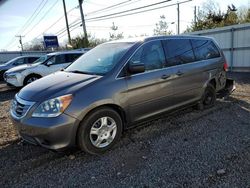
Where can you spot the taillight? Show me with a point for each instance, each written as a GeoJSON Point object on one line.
{"type": "Point", "coordinates": [225, 66]}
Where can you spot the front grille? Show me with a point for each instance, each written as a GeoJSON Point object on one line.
{"type": "Point", "coordinates": [20, 107]}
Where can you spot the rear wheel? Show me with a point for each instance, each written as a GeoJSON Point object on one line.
{"type": "Point", "coordinates": [208, 98]}
{"type": "Point", "coordinates": [99, 131]}
{"type": "Point", "coordinates": [31, 78]}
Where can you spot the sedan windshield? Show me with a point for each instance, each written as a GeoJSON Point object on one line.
{"type": "Point", "coordinates": [101, 59]}
{"type": "Point", "coordinates": [41, 59]}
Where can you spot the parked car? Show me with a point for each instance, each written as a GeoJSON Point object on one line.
{"type": "Point", "coordinates": [116, 85]}
{"type": "Point", "coordinates": [25, 74]}
{"type": "Point", "coordinates": [15, 62]}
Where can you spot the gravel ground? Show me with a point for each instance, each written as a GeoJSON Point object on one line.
{"type": "Point", "coordinates": [189, 148]}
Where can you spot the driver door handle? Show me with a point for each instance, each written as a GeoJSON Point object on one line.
{"type": "Point", "coordinates": [179, 73]}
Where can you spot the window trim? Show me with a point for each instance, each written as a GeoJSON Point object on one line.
{"type": "Point", "coordinates": [117, 77]}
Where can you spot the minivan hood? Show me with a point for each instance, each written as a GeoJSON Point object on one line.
{"type": "Point", "coordinates": [21, 67]}
{"type": "Point", "coordinates": [54, 85]}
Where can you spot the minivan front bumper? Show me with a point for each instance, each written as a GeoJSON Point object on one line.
{"type": "Point", "coordinates": [53, 133]}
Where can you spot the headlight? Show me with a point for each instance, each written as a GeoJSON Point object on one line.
{"type": "Point", "coordinates": [10, 76]}
{"type": "Point", "coordinates": [53, 107]}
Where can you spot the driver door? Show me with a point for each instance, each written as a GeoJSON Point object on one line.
{"type": "Point", "coordinates": [149, 93]}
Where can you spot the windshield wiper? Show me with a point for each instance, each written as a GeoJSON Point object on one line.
{"type": "Point", "coordinates": [81, 72]}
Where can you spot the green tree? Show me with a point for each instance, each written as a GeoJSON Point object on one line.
{"type": "Point", "coordinates": [79, 41]}
{"type": "Point", "coordinates": [162, 27]}
{"type": "Point", "coordinates": [211, 17]}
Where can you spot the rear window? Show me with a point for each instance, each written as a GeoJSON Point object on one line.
{"type": "Point", "coordinates": [205, 49]}
{"type": "Point", "coordinates": [178, 51]}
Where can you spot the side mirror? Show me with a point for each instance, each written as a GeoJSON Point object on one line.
{"type": "Point", "coordinates": [136, 67]}
{"type": "Point", "coordinates": [49, 63]}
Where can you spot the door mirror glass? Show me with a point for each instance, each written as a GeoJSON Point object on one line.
{"type": "Point", "coordinates": [136, 67]}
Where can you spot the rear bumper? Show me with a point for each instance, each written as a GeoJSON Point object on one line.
{"type": "Point", "coordinates": [52, 133]}
{"type": "Point", "coordinates": [229, 88]}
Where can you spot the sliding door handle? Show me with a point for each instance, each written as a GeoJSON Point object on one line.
{"type": "Point", "coordinates": [164, 76]}
{"type": "Point", "coordinates": [179, 73]}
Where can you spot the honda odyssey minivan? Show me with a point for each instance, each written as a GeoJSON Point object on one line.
{"type": "Point", "coordinates": [114, 86]}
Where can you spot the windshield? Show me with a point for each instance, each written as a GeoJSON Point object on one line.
{"type": "Point", "coordinates": [41, 59]}
{"type": "Point", "coordinates": [12, 60]}
{"type": "Point", "coordinates": [101, 59]}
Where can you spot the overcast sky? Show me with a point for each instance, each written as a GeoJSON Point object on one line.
{"type": "Point", "coordinates": [14, 15]}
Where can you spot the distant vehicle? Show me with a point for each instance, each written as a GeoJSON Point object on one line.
{"type": "Point", "coordinates": [15, 62]}
{"type": "Point", "coordinates": [24, 74]}
{"type": "Point", "coordinates": [116, 85]}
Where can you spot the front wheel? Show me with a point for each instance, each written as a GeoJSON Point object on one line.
{"type": "Point", "coordinates": [99, 131]}
{"type": "Point", "coordinates": [31, 78]}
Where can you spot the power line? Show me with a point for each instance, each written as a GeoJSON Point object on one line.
{"type": "Point", "coordinates": [42, 17]}
{"type": "Point", "coordinates": [54, 23]}
{"type": "Point", "coordinates": [130, 10]}
{"type": "Point", "coordinates": [30, 19]}
{"type": "Point", "coordinates": [37, 14]}
{"type": "Point", "coordinates": [133, 13]}
{"type": "Point", "coordinates": [115, 6]}
{"type": "Point", "coordinates": [107, 8]}
{"type": "Point", "coordinates": [104, 16]}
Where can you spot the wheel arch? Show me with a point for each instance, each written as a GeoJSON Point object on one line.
{"type": "Point", "coordinates": [115, 107]}
{"type": "Point", "coordinates": [29, 75]}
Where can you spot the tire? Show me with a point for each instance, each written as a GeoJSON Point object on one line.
{"type": "Point", "coordinates": [30, 78]}
{"type": "Point", "coordinates": [95, 134]}
{"type": "Point", "coordinates": [1, 75]}
{"type": "Point", "coordinates": [208, 98]}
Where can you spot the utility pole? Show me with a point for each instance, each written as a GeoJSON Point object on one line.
{"type": "Point", "coordinates": [20, 40]}
{"type": "Point", "coordinates": [83, 21]}
{"type": "Point", "coordinates": [178, 18]}
{"type": "Point", "coordinates": [66, 20]}
{"type": "Point", "coordinates": [195, 16]}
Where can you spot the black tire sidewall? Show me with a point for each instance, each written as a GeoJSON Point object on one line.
{"type": "Point", "coordinates": [209, 89]}
{"type": "Point", "coordinates": [83, 136]}
{"type": "Point", "coordinates": [28, 77]}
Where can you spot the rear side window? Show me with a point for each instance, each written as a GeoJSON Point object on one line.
{"type": "Point", "coordinates": [60, 59]}
{"type": "Point", "coordinates": [151, 54]}
{"type": "Point", "coordinates": [205, 49]}
{"type": "Point", "coordinates": [72, 57]}
{"type": "Point", "coordinates": [32, 59]}
{"type": "Point", "coordinates": [178, 51]}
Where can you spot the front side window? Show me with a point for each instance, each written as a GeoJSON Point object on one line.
{"type": "Point", "coordinates": [101, 59]}
{"type": "Point", "coordinates": [178, 51]}
{"type": "Point", "coordinates": [205, 49]}
{"type": "Point", "coordinates": [60, 59]}
{"type": "Point", "coordinates": [19, 61]}
{"type": "Point", "coordinates": [151, 55]}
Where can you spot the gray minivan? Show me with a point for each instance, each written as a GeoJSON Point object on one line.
{"type": "Point", "coordinates": [114, 86]}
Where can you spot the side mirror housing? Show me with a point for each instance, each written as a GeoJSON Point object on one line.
{"type": "Point", "coordinates": [49, 63]}
{"type": "Point", "coordinates": [136, 67]}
